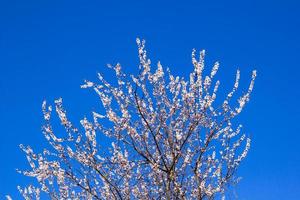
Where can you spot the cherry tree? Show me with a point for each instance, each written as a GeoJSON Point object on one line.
{"type": "Point", "coordinates": [168, 139]}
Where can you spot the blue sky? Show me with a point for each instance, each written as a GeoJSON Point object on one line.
{"type": "Point", "coordinates": [47, 48]}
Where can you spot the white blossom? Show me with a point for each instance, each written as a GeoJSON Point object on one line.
{"type": "Point", "coordinates": [169, 139]}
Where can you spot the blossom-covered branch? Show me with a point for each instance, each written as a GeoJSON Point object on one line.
{"type": "Point", "coordinates": [169, 139]}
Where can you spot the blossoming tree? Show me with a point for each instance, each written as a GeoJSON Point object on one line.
{"type": "Point", "coordinates": [168, 139]}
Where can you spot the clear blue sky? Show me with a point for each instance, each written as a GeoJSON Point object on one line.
{"type": "Point", "coordinates": [48, 47]}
